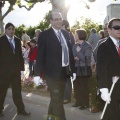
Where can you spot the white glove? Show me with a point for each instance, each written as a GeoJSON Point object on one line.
{"type": "Point", "coordinates": [37, 80]}
{"type": "Point", "coordinates": [73, 78]}
{"type": "Point", "coordinates": [105, 95]}
{"type": "Point", "coordinates": [22, 74]}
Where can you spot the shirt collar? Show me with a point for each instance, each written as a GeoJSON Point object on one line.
{"type": "Point", "coordinates": [9, 37]}
{"type": "Point", "coordinates": [114, 40]}
{"type": "Point", "coordinates": [56, 31]}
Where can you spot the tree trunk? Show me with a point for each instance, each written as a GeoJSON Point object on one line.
{"type": "Point", "coordinates": [59, 6]}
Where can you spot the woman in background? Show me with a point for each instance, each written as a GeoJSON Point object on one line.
{"type": "Point", "coordinates": [101, 34]}
{"type": "Point", "coordinates": [82, 51]}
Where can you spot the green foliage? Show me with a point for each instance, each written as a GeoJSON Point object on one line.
{"type": "Point", "coordinates": [87, 24]}
{"type": "Point", "coordinates": [44, 24]}
{"type": "Point", "coordinates": [29, 4]}
{"type": "Point", "coordinates": [18, 30]}
{"type": "Point", "coordinates": [18, 2]}
{"type": "Point", "coordinates": [31, 31]}
{"type": "Point", "coordinates": [75, 26]}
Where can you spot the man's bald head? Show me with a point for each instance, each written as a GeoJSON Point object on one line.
{"type": "Point", "coordinates": [56, 20]}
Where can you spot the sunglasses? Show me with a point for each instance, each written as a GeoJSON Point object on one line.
{"type": "Point", "coordinates": [116, 27]}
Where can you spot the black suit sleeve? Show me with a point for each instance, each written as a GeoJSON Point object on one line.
{"type": "Point", "coordinates": [21, 57]}
{"type": "Point", "coordinates": [102, 66]}
{"type": "Point", "coordinates": [72, 61]}
{"type": "Point", "coordinates": [40, 54]}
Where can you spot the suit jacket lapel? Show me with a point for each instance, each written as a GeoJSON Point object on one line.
{"type": "Point", "coordinates": [54, 37]}
{"type": "Point", "coordinates": [113, 47]}
{"type": "Point", "coordinates": [8, 43]}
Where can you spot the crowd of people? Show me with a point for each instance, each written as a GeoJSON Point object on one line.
{"type": "Point", "coordinates": [62, 60]}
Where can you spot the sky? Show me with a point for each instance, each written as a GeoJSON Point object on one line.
{"type": "Point", "coordinates": [97, 12]}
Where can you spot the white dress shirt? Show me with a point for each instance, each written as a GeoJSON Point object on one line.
{"type": "Point", "coordinates": [12, 40]}
{"type": "Point", "coordinates": [115, 42]}
{"type": "Point", "coordinates": [56, 32]}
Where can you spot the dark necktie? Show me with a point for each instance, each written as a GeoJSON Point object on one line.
{"type": "Point", "coordinates": [11, 44]}
{"type": "Point", "coordinates": [64, 48]}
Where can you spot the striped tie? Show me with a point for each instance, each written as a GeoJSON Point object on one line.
{"type": "Point", "coordinates": [63, 47]}
{"type": "Point", "coordinates": [12, 46]}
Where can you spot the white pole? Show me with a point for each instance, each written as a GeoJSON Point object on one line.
{"type": "Point", "coordinates": [114, 80]}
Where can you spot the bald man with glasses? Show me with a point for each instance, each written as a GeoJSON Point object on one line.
{"type": "Point", "coordinates": [54, 57]}
{"type": "Point", "coordinates": [108, 67]}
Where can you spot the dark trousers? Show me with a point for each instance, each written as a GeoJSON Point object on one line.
{"type": "Point", "coordinates": [68, 90]}
{"type": "Point", "coordinates": [15, 82]}
{"type": "Point", "coordinates": [113, 111]}
{"type": "Point", "coordinates": [56, 87]}
{"type": "Point", "coordinates": [81, 91]}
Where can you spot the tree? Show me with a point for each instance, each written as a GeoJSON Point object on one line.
{"type": "Point", "coordinates": [44, 24]}
{"type": "Point", "coordinates": [87, 24]}
{"type": "Point", "coordinates": [57, 5]}
{"type": "Point", "coordinates": [18, 30]}
{"type": "Point", "coordinates": [75, 26]}
{"type": "Point", "coordinates": [29, 6]}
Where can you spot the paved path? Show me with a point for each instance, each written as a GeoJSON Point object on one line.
{"type": "Point", "coordinates": [38, 106]}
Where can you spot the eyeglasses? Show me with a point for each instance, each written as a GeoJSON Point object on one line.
{"type": "Point", "coordinates": [57, 19]}
{"type": "Point", "coordinates": [116, 27]}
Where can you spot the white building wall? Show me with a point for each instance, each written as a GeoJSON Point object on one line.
{"type": "Point", "coordinates": [113, 11]}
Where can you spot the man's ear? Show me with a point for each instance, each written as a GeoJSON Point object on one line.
{"type": "Point", "coordinates": [109, 30]}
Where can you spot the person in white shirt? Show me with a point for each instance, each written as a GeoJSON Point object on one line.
{"type": "Point", "coordinates": [26, 51]}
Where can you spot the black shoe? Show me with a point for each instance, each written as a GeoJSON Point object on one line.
{"type": "Point", "coordinates": [83, 107]}
{"type": "Point", "coordinates": [24, 113]}
{"type": "Point", "coordinates": [75, 105]}
{"type": "Point", "coordinates": [1, 114]}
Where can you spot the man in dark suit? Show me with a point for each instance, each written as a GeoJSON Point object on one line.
{"type": "Point", "coordinates": [108, 67]}
{"type": "Point", "coordinates": [53, 60]}
{"type": "Point", "coordinates": [11, 66]}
